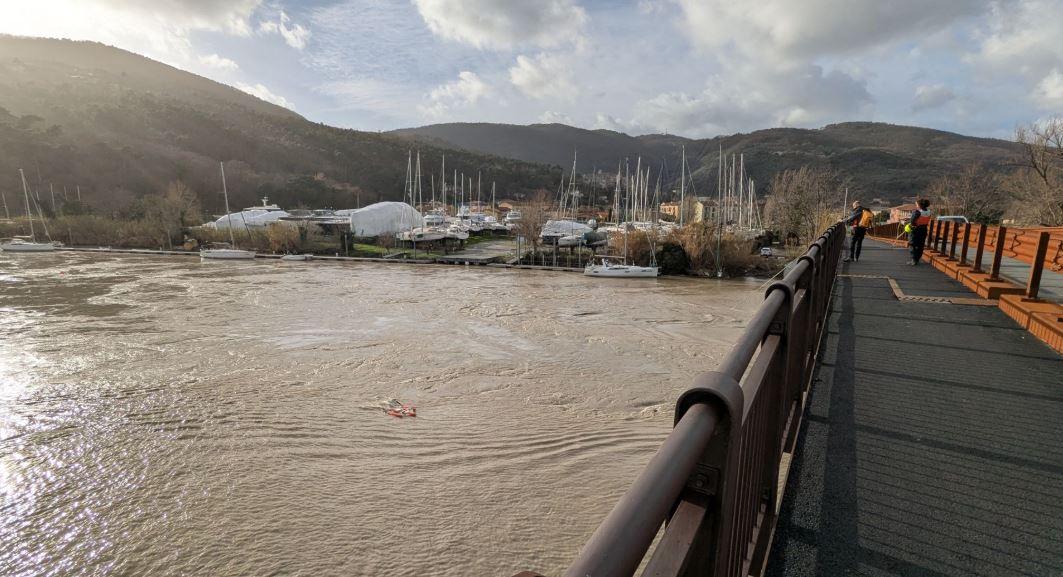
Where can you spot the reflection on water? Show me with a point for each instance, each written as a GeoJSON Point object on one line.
{"type": "Point", "coordinates": [171, 417]}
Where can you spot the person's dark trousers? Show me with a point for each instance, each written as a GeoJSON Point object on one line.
{"type": "Point", "coordinates": [857, 242]}
{"type": "Point", "coordinates": [917, 243]}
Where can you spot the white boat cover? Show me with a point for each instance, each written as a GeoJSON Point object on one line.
{"type": "Point", "coordinates": [249, 218]}
{"type": "Point", "coordinates": [384, 218]}
{"type": "Point", "coordinates": [564, 228]}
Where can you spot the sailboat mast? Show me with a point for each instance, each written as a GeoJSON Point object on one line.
{"type": "Point", "coordinates": [682, 186]}
{"type": "Point", "coordinates": [719, 189]}
{"type": "Point", "coordinates": [225, 193]}
{"type": "Point", "coordinates": [741, 189]}
{"type": "Point", "coordinates": [638, 187]}
{"type": "Point", "coordinates": [26, 193]}
{"type": "Point", "coordinates": [420, 198]}
{"type": "Point", "coordinates": [7, 215]}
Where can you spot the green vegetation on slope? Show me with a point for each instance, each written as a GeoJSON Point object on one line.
{"type": "Point", "coordinates": [123, 126]}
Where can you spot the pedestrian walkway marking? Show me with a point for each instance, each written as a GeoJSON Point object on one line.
{"type": "Point", "coordinates": [901, 296]}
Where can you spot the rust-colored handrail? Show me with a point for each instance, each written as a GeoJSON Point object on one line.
{"type": "Point", "coordinates": [715, 479]}
{"type": "Point", "coordinates": [1041, 248]}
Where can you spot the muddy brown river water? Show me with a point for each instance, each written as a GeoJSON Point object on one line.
{"type": "Point", "coordinates": [161, 416]}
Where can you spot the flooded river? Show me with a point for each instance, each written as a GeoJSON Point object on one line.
{"type": "Point", "coordinates": [161, 416]}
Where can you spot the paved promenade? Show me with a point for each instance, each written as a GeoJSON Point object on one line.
{"type": "Point", "coordinates": [933, 445]}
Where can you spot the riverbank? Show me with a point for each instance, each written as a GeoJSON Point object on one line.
{"type": "Point", "coordinates": [449, 260]}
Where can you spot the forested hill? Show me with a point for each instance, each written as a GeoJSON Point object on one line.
{"type": "Point", "coordinates": [122, 126]}
{"type": "Point", "coordinates": [882, 160]}
{"type": "Point", "coordinates": [554, 144]}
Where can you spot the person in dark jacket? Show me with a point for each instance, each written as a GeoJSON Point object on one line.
{"type": "Point", "coordinates": [860, 219]}
{"type": "Point", "coordinates": [917, 229]}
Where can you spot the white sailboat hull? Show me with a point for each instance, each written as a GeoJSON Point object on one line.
{"type": "Point", "coordinates": [421, 235]}
{"type": "Point", "coordinates": [297, 257]}
{"type": "Point", "coordinates": [226, 254]}
{"type": "Point", "coordinates": [621, 271]}
{"type": "Point", "coordinates": [27, 247]}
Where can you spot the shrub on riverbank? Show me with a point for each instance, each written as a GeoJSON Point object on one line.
{"type": "Point", "coordinates": [695, 249]}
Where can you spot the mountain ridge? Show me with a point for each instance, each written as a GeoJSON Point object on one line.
{"type": "Point", "coordinates": [122, 126]}
{"type": "Point", "coordinates": [883, 160]}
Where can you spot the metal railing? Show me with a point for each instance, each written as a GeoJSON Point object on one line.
{"type": "Point", "coordinates": [717, 478]}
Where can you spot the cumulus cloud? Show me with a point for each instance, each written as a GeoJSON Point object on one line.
{"type": "Point", "coordinates": [784, 30]}
{"type": "Point", "coordinates": [1049, 92]}
{"type": "Point", "coordinates": [260, 91]}
{"type": "Point", "coordinates": [218, 62]}
{"type": "Point", "coordinates": [552, 117]}
{"type": "Point", "coordinates": [465, 91]}
{"type": "Point", "coordinates": [502, 24]}
{"type": "Point", "coordinates": [928, 97]}
{"type": "Point", "coordinates": [544, 76]}
{"type": "Point", "coordinates": [1023, 40]}
{"type": "Point", "coordinates": [161, 30]}
{"type": "Point", "coordinates": [806, 97]}
{"type": "Point", "coordinates": [295, 36]}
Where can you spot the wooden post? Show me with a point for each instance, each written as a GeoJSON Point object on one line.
{"type": "Point", "coordinates": [945, 237]}
{"type": "Point", "coordinates": [980, 250]}
{"type": "Point", "coordinates": [955, 236]}
{"type": "Point", "coordinates": [931, 238]}
{"type": "Point", "coordinates": [966, 240]}
{"type": "Point", "coordinates": [1034, 283]}
{"type": "Point", "coordinates": [998, 253]}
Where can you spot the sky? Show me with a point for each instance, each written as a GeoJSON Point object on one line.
{"type": "Point", "coordinates": [696, 68]}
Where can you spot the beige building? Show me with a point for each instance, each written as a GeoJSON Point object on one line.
{"type": "Point", "coordinates": [901, 213]}
{"type": "Point", "coordinates": [700, 209]}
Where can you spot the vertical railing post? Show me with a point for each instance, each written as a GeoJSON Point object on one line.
{"type": "Point", "coordinates": [931, 236]}
{"type": "Point", "coordinates": [966, 240]}
{"type": "Point", "coordinates": [942, 232]}
{"type": "Point", "coordinates": [980, 250]}
{"type": "Point", "coordinates": [1034, 284]}
{"type": "Point", "coordinates": [955, 236]}
{"type": "Point", "coordinates": [998, 253]}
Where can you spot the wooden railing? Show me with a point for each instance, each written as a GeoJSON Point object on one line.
{"type": "Point", "coordinates": [1041, 248]}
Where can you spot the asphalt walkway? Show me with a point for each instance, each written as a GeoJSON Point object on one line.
{"type": "Point", "coordinates": [933, 442]}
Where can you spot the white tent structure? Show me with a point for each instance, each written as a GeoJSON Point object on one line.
{"type": "Point", "coordinates": [555, 229]}
{"type": "Point", "coordinates": [384, 218]}
{"type": "Point", "coordinates": [249, 218]}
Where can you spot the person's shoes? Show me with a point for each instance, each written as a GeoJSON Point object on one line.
{"type": "Point", "coordinates": [845, 259]}
{"type": "Point", "coordinates": [910, 263]}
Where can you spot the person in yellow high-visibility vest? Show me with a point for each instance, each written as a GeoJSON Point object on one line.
{"type": "Point", "coordinates": [917, 228]}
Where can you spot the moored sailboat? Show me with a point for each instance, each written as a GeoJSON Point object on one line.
{"type": "Point", "coordinates": [226, 252]}
{"type": "Point", "coordinates": [27, 243]}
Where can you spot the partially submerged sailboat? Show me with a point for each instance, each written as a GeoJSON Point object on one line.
{"type": "Point", "coordinates": [608, 268]}
{"type": "Point", "coordinates": [27, 243]}
{"type": "Point", "coordinates": [226, 252]}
